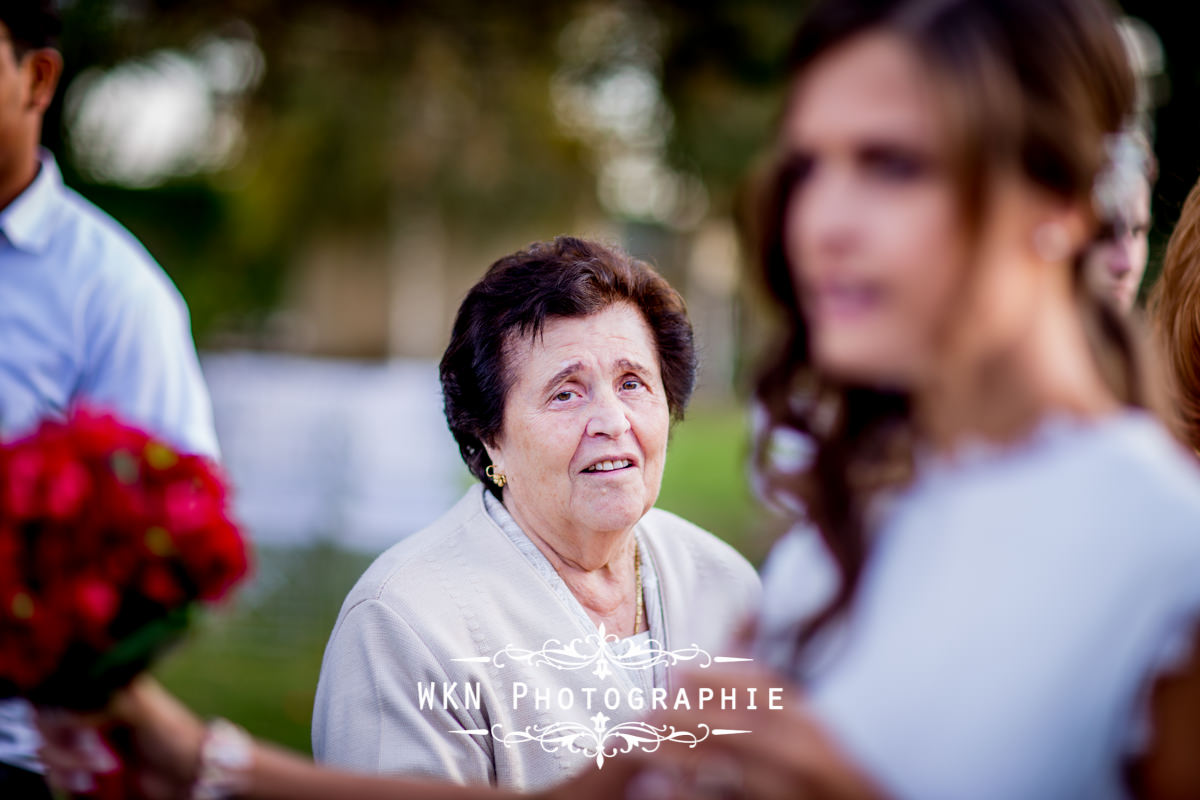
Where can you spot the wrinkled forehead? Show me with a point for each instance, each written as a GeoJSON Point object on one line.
{"type": "Point", "coordinates": [615, 335]}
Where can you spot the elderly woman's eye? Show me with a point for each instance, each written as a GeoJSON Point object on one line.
{"type": "Point", "coordinates": [630, 384]}
{"type": "Point", "coordinates": [564, 395]}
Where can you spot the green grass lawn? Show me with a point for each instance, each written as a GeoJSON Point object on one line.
{"type": "Point", "coordinates": [705, 479]}
{"type": "Point", "coordinates": [257, 662]}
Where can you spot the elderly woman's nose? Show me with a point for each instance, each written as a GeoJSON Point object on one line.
{"type": "Point", "coordinates": [609, 416]}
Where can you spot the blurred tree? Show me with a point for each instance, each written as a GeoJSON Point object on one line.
{"type": "Point", "coordinates": [724, 77]}
{"type": "Point", "coordinates": [367, 112]}
{"type": "Point", "coordinates": [455, 116]}
{"type": "Point", "coordinates": [370, 113]}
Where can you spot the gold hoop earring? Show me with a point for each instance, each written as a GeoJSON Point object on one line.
{"type": "Point", "coordinates": [498, 478]}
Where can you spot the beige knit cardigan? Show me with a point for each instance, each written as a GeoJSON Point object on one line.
{"type": "Point", "coordinates": [461, 589]}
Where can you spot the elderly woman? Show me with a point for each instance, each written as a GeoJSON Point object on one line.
{"type": "Point", "coordinates": [542, 609]}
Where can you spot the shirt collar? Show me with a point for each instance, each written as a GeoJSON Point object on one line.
{"type": "Point", "coordinates": [27, 221]}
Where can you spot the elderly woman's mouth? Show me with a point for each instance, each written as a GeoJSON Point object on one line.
{"type": "Point", "coordinates": [609, 466]}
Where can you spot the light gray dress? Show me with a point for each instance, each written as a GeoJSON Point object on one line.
{"type": "Point", "coordinates": [425, 627]}
{"type": "Point", "coordinates": [1017, 607]}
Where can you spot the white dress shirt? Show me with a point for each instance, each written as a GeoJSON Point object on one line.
{"type": "Point", "coordinates": [87, 316]}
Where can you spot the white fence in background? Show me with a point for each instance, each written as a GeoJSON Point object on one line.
{"type": "Point", "coordinates": [353, 452]}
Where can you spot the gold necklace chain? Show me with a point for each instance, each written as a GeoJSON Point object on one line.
{"type": "Point", "coordinates": [637, 578]}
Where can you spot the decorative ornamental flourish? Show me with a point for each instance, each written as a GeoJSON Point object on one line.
{"type": "Point", "coordinates": [600, 741]}
{"type": "Point", "coordinates": [596, 651]}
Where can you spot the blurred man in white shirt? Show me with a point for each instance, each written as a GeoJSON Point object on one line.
{"type": "Point", "coordinates": [86, 315]}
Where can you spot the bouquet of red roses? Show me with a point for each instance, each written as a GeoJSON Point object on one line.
{"type": "Point", "coordinates": [108, 539]}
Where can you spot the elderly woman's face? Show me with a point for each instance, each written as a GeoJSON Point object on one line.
{"type": "Point", "coordinates": [584, 437]}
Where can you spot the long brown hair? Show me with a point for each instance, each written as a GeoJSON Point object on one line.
{"type": "Point", "coordinates": [1028, 84]}
{"type": "Point", "coordinates": [1175, 315]}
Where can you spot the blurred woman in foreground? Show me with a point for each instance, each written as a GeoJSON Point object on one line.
{"type": "Point", "coordinates": [997, 584]}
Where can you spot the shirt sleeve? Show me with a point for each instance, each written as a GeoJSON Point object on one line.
{"type": "Point", "coordinates": [140, 362]}
{"type": "Point", "coordinates": [368, 714]}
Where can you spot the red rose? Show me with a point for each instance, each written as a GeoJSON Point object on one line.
{"type": "Point", "coordinates": [33, 637]}
{"type": "Point", "coordinates": [187, 507]}
{"type": "Point", "coordinates": [101, 526]}
{"type": "Point", "coordinates": [158, 584]}
{"type": "Point", "coordinates": [23, 472]}
{"type": "Point", "coordinates": [97, 601]}
{"type": "Point", "coordinates": [67, 486]}
{"type": "Point", "coordinates": [215, 560]}
{"type": "Point", "coordinates": [97, 432]}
